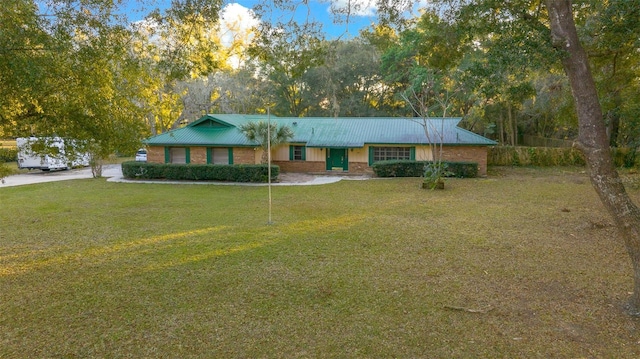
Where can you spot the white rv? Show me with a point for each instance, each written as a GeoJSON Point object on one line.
{"type": "Point", "coordinates": [47, 154]}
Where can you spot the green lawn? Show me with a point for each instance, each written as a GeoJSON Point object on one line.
{"type": "Point", "coordinates": [522, 264]}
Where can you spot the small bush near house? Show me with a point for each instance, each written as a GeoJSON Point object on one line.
{"type": "Point", "coordinates": [196, 172]}
{"type": "Point", "coordinates": [463, 169]}
{"type": "Point", "coordinates": [407, 168]}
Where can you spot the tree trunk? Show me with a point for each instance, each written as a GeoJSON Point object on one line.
{"type": "Point", "coordinates": [592, 139]}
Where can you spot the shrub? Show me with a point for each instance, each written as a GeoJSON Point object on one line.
{"type": "Point", "coordinates": [197, 172]}
{"type": "Point", "coordinates": [8, 154]}
{"type": "Point", "coordinates": [463, 169]}
{"type": "Point", "coordinates": [625, 157]}
{"type": "Point", "coordinates": [398, 168]}
{"type": "Point", "coordinates": [5, 171]}
{"type": "Point", "coordinates": [408, 168]}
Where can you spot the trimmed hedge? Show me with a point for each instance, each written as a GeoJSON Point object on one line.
{"type": "Point", "coordinates": [197, 172]}
{"type": "Point", "coordinates": [534, 156]}
{"type": "Point", "coordinates": [8, 154]}
{"type": "Point", "coordinates": [554, 156]}
{"type": "Point", "coordinates": [408, 168]}
{"type": "Point", "coordinates": [463, 169]}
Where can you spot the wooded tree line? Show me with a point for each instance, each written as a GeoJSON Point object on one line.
{"type": "Point", "coordinates": [81, 69]}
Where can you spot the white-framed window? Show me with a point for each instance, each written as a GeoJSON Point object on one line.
{"type": "Point", "coordinates": [391, 153]}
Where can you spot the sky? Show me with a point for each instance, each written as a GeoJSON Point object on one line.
{"type": "Point", "coordinates": [314, 10]}
{"type": "Point", "coordinates": [320, 11]}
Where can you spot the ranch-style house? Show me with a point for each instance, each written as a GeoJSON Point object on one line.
{"type": "Point", "coordinates": [320, 144]}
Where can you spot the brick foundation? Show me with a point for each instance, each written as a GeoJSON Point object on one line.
{"type": "Point", "coordinates": [301, 166]}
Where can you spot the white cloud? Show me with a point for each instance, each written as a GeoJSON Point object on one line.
{"type": "Point", "coordinates": [236, 22]}
{"type": "Point", "coordinates": [354, 7]}
{"type": "Point", "coordinates": [236, 30]}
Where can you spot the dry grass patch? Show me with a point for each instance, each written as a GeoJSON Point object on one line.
{"type": "Point", "coordinates": [524, 263]}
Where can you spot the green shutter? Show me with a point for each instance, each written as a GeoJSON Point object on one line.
{"type": "Point", "coordinates": [230, 155]}
{"type": "Point", "coordinates": [167, 155]}
{"type": "Point", "coordinates": [370, 156]}
{"type": "Point", "coordinates": [412, 154]}
{"type": "Point", "coordinates": [208, 155]}
{"type": "Point", "coordinates": [292, 150]}
{"type": "Point", "coordinates": [304, 153]}
{"type": "Point", "coordinates": [345, 165]}
{"type": "Point", "coordinates": [187, 154]}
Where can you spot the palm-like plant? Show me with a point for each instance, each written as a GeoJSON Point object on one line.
{"type": "Point", "coordinates": [259, 132]}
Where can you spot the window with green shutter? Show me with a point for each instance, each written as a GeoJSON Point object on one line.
{"type": "Point", "coordinates": [297, 153]}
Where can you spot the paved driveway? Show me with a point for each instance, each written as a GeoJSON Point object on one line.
{"type": "Point", "coordinates": [37, 176]}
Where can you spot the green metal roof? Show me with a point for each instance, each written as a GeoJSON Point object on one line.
{"type": "Point", "coordinates": [223, 130]}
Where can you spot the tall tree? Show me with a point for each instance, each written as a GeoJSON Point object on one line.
{"type": "Point", "coordinates": [285, 53]}
{"type": "Point", "coordinates": [69, 69]}
{"type": "Point", "coordinates": [423, 66]}
{"type": "Point", "coordinates": [608, 31]}
{"type": "Point", "coordinates": [27, 53]}
{"type": "Point", "coordinates": [74, 78]}
{"type": "Point", "coordinates": [348, 83]}
{"type": "Point", "coordinates": [593, 139]}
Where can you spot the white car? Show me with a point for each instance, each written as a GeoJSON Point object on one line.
{"type": "Point", "coordinates": [141, 155]}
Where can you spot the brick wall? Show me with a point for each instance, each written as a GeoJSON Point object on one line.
{"type": "Point", "coordinates": [301, 166]}
{"type": "Point", "coordinates": [155, 154]}
{"type": "Point", "coordinates": [467, 154]}
{"type": "Point", "coordinates": [198, 155]}
{"type": "Point", "coordinates": [244, 156]}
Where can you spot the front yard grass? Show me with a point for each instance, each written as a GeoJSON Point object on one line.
{"type": "Point", "coordinates": [522, 264]}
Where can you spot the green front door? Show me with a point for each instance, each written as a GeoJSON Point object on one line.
{"type": "Point", "coordinates": [337, 159]}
